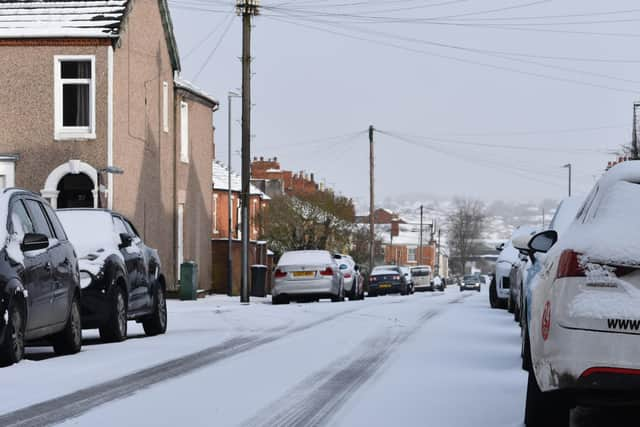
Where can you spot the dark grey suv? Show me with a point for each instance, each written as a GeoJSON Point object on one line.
{"type": "Point", "coordinates": [39, 278]}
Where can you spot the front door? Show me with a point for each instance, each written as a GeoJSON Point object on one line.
{"type": "Point", "coordinates": [75, 191]}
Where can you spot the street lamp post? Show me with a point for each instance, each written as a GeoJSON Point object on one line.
{"type": "Point", "coordinates": [230, 95]}
{"type": "Point", "coordinates": [108, 170]}
{"type": "Point", "coordinates": [568, 166]}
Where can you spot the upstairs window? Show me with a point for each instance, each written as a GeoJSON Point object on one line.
{"type": "Point", "coordinates": [184, 132]}
{"type": "Point", "coordinates": [75, 97]}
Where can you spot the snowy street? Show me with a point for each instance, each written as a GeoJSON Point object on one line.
{"type": "Point", "coordinates": [434, 358]}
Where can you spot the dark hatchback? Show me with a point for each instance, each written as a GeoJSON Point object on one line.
{"type": "Point", "coordinates": [388, 279]}
{"type": "Point", "coordinates": [120, 277]}
{"type": "Point", "coordinates": [39, 283]}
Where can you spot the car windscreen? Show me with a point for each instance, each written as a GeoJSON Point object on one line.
{"type": "Point", "coordinates": [306, 258]}
{"type": "Point", "coordinates": [470, 278]}
{"type": "Point", "coordinates": [383, 269]}
{"type": "Point", "coordinates": [420, 272]}
{"type": "Point", "coordinates": [88, 231]}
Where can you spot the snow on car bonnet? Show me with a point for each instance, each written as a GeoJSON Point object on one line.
{"type": "Point", "coordinates": [89, 231]}
{"type": "Point", "coordinates": [306, 258]}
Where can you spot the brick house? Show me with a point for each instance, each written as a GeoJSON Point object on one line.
{"type": "Point", "coordinates": [291, 184]}
{"type": "Point", "coordinates": [90, 89]}
{"type": "Point", "coordinates": [258, 213]}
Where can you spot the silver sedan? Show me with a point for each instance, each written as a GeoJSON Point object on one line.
{"type": "Point", "coordinates": [307, 275]}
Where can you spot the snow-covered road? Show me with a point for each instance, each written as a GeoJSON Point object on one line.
{"type": "Point", "coordinates": [427, 359]}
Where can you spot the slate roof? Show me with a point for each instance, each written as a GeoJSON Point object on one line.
{"type": "Point", "coordinates": [221, 179]}
{"type": "Point", "coordinates": [74, 19]}
{"type": "Point", "coordinates": [46, 18]}
{"type": "Point", "coordinates": [195, 90]}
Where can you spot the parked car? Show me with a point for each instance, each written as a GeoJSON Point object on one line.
{"type": "Point", "coordinates": [406, 271]}
{"type": "Point", "coordinates": [438, 284]}
{"type": "Point", "coordinates": [422, 278]}
{"type": "Point", "coordinates": [387, 279]}
{"type": "Point", "coordinates": [39, 280]}
{"type": "Point", "coordinates": [584, 326]}
{"type": "Point", "coordinates": [500, 292]}
{"type": "Point", "coordinates": [471, 282]}
{"type": "Point", "coordinates": [564, 215]}
{"type": "Point", "coordinates": [353, 280]}
{"type": "Point", "coordinates": [307, 275]}
{"type": "Point", "coordinates": [121, 278]}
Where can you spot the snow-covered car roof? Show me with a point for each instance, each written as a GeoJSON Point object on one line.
{"type": "Point", "coordinates": [605, 229]}
{"type": "Point", "coordinates": [306, 258]}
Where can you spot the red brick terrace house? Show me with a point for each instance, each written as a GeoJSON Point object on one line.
{"type": "Point", "coordinates": [92, 85]}
{"type": "Point", "coordinates": [265, 173]}
{"type": "Point", "coordinates": [258, 212]}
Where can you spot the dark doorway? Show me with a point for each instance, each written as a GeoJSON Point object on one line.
{"type": "Point", "coordinates": [76, 191]}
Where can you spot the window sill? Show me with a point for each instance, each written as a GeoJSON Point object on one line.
{"type": "Point", "coordinates": [74, 136]}
{"type": "Point", "coordinates": [185, 161]}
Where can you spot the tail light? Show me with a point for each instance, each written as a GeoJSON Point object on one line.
{"type": "Point", "coordinates": [569, 265]}
{"type": "Point", "coordinates": [373, 279]}
{"type": "Point", "coordinates": [327, 272]}
{"type": "Point", "coordinates": [347, 276]}
{"type": "Point", "coordinates": [280, 274]}
{"type": "Point", "coordinates": [396, 278]}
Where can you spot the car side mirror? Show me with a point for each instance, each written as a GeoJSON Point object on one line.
{"type": "Point", "coordinates": [544, 241]}
{"type": "Point", "coordinates": [125, 240]}
{"type": "Point", "coordinates": [34, 242]}
{"type": "Point", "coordinates": [500, 247]}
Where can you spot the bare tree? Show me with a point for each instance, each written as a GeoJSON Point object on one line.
{"type": "Point", "coordinates": [464, 228]}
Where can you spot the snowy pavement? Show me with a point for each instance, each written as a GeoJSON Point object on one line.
{"type": "Point", "coordinates": [426, 359]}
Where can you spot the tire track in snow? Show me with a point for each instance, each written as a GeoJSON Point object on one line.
{"type": "Point", "coordinates": [57, 410]}
{"type": "Point", "coordinates": [319, 396]}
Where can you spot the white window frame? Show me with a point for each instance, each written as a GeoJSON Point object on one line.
{"type": "Point", "coordinates": [61, 132]}
{"type": "Point", "coordinates": [180, 243]}
{"type": "Point", "coordinates": [215, 214]}
{"type": "Point", "coordinates": [410, 252]}
{"type": "Point", "coordinates": [184, 132]}
{"type": "Point", "coordinates": [8, 171]}
{"type": "Point", "coordinates": [165, 107]}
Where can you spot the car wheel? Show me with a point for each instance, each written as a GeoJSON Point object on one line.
{"type": "Point", "coordinates": [510, 303]}
{"type": "Point", "coordinates": [340, 297]}
{"type": "Point", "coordinates": [156, 323]}
{"type": "Point", "coordinates": [493, 295]}
{"type": "Point", "coordinates": [12, 348]}
{"type": "Point", "coordinates": [545, 409]}
{"type": "Point", "coordinates": [115, 329]}
{"type": "Point", "coordinates": [279, 300]}
{"type": "Point", "coordinates": [526, 350]}
{"type": "Point", "coordinates": [69, 340]}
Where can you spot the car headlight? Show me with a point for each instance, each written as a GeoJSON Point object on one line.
{"type": "Point", "coordinates": [85, 279]}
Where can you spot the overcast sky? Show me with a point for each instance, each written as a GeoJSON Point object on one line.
{"type": "Point", "coordinates": [554, 79]}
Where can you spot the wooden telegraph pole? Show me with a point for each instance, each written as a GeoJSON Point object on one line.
{"type": "Point", "coordinates": [247, 9]}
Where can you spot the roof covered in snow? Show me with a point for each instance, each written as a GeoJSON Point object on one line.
{"type": "Point", "coordinates": [74, 19]}
{"type": "Point", "coordinates": [221, 181]}
{"type": "Point", "coordinates": [46, 18]}
{"type": "Point", "coordinates": [193, 89]}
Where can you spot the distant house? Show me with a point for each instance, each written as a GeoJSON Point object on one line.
{"type": "Point", "coordinates": [88, 88]}
{"type": "Point", "coordinates": [258, 213]}
{"type": "Point", "coordinates": [381, 216]}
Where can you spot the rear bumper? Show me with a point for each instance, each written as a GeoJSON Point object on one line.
{"type": "Point", "coordinates": [423, 287]}
{"type": "Point", "coordinates": [308, 288]}
{"type": "Point", "coordinates": [590, 364]}
{"type": "Point", "coordinates": [394, 288]}
{"type": "Point", "coordinates": [469, 287]}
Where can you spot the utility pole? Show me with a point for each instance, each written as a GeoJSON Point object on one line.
{"type": "Point", "coordinates": [438, 253]}
{"type": "Point", "coordinates": [568, 166]}
{"type": "Point", "coordinates": [421, 214]}
{"type": "Point", "coordinates": [634, 137]}
{"type": "Point", "coordinates": [247, 9]}
{"type": "Point", "coordinates": [230, 95]}
{"type": "Point", "coordinates": [371, 200]}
